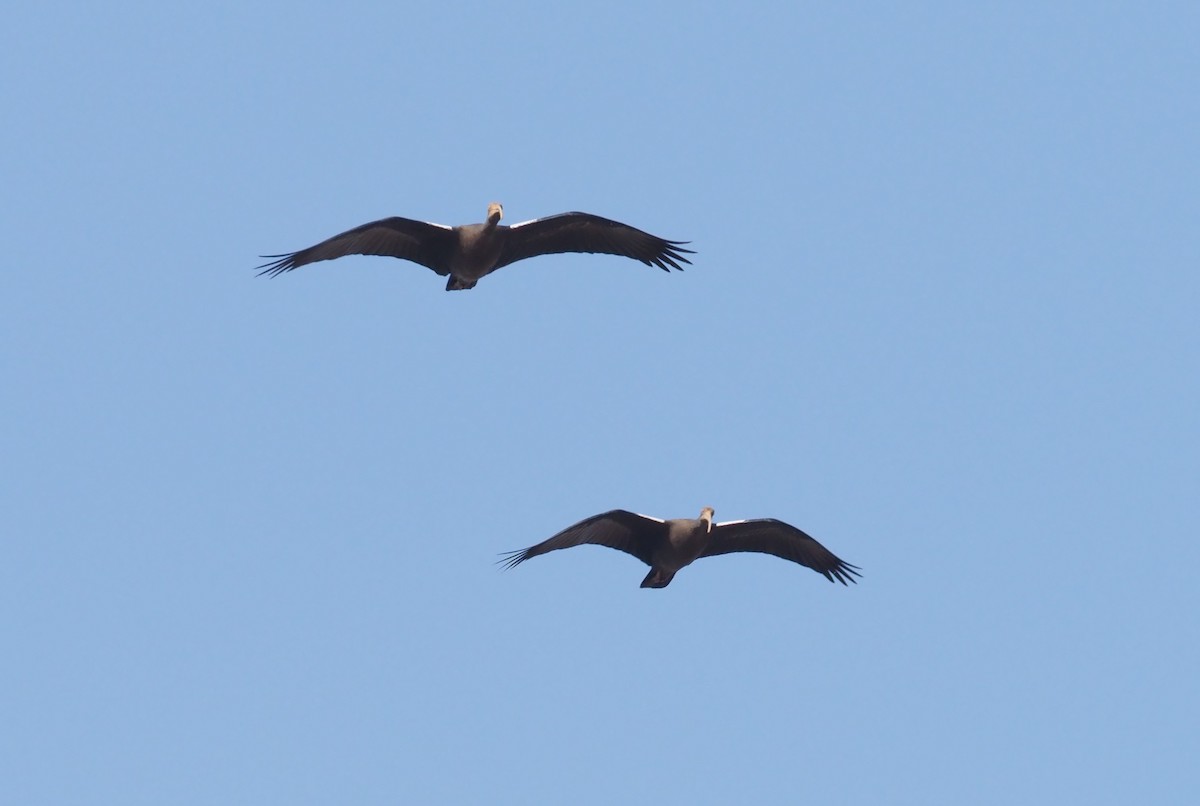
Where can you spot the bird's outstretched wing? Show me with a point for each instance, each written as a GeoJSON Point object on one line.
{"type": "Point", "coordinates": [584, 232]}
{"type": "Point", "coordinates": [619, 529]}
{"type": "Point", "coordinates": [770, 536]}
{"type": "Point", "coordinates": [428, 244]}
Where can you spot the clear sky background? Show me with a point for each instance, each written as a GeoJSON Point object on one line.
{"type": "Point", "coordinates": [944, 315]}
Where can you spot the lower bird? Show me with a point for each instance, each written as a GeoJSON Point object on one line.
{"type": "Point", "coordinates": [669, 545]}
{"type": "Point", "coordinates": [469, 252]}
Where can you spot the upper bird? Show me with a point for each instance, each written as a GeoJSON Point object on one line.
{"type": "Point", "coordinates": [667, 546]}
{"type": "Point", "coordinates": [472, 251]}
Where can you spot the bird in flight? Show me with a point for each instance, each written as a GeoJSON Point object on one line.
{"type": "Point", "coordinates": [669, 545]}
{"type": "Point", "coordinates": [469, 252]}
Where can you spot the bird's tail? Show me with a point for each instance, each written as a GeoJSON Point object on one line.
{"type": "Point", "coordinates": [658, 578]}
{"type": "Point", "coordinates": [459, 284]}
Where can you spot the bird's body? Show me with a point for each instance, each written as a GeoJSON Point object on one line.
{"type": "Point", "coordinates": [669, 545]}
{"type": "Point", "coordinates": [685, 539]}
{"type": "Point", "coordinates": [469, 252]}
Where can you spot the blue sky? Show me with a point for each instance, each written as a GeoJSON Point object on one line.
{"type": "Point", "coordinates": [943, 316]}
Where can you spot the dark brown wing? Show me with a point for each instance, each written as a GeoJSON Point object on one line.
{"type": "Point", "coordinates": [619, 529]}
{"type": "Point", "coordinates": [583, 232]}
{"type": "Point", "coordinates": [431, 245]}
{"type": "Point", "coordinates": [770, 536]}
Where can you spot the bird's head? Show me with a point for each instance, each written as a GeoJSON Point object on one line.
{"type": "Point", "coordinates": [706, 515]}
{"type": "Point", "coordinates": [495, 212]}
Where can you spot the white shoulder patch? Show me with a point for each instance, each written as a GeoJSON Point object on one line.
{"type": "Point", "coordinates": [650, 517]}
